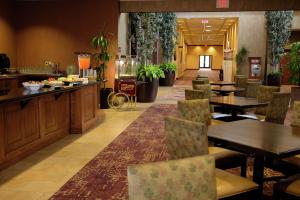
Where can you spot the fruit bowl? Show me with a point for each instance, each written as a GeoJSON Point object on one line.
{"type": "Point", "coordinates": [32, 85]}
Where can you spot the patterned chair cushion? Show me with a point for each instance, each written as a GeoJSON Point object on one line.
{"type": "Point", "coordinates": [241, 81]}
{"type": "Point", "coordinates": [278, 107]}
{"type": "Point", "coordinates": [190, 178]}
{"type": "Point", "coordinates": [185, 138]}
{"type": "Point", "coordinates": [197, 110]}
{"type": "Point", "coordinates": [252, 88]}
{"type": "Point", "coordinates": [265, 94]}
{"type": "Point", "coordinates": [296, 114]}
{"type": "Point", "coordinates": [195, 94]}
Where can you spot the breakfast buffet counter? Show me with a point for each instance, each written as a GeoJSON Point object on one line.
{"type": "Point", "coordinates": [30, 120]}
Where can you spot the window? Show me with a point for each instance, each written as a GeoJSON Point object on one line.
{"type": "Point", "coordinates": [205, 61]}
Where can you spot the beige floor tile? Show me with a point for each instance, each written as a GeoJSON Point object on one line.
{"type": "Point", "coordinates": [43, 173]}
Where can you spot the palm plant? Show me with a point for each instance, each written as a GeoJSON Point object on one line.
{"type": "Point", "coordinates": [294, 63]}
{"type": "Point", "coordinates": [101, 44]}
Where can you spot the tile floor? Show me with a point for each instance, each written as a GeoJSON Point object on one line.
{"type": "Point", "coordinates": [43, 173]}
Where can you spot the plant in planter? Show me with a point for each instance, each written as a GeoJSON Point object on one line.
{"type": "Point", "coordinates": [279, 24]}
{"type": "Point", "coordinates": [150, 75]}
{"type": "Point", "coordinates": [240, 58]}
{"type": "Point", "coordinates": [101, 43]}
{"type": "Point", "coordinates": [169, 74]}
{"type": "Point", "coordinates": [146, 28]}
{"type": "Point", "coordinates": [294, 65]}
{"type": "Point", "coordinates": [168, 37]}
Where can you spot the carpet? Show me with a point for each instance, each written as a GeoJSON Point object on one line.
{"type": "Point", "coordinates": [105, 177]}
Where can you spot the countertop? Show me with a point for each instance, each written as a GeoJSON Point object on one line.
{"type": "Point", "coordinates": [18, 94]}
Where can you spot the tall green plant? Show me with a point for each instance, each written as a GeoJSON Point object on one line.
{"type": "Point", "coordinates": [294, 63]}
{"type": "Point", "coordinates": [168, 35]}
{"type": "Point", "coordinates": [146, 27]}
{"type": "Point", "coordinates": [101, 44]}
{"type": "Point", "coordinates": [279, 24]}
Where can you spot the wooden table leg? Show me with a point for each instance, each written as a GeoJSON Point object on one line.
{"type": "Point", "coordinates": [258, 171]}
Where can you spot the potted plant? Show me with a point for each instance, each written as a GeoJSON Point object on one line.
{"type": "Point", "coordinates": [101, 43]}
{"type": "Point", "coordinates": [169, 74]}
{"type": "Point", "coordinates": [168, 37]}
{"type": "Point", "coordinates": [294, 66]}
{"type": "Point", "coordinates": [149, 75]}
{"type": "Point", "coordinates": [240, 58]}
{"type": "Point", "coordinates": [279, 24]}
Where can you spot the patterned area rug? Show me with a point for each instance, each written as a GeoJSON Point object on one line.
{"type": "Point", "coordinates": [143, 141]}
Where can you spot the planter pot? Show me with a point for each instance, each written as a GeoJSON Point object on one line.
{"type": "Point", "coordinates": [147, 92]}
{"type": "Point", "coordinates": [274, 80]}
{"type": "Point", "coordinates": [104, 92]}
{"type": "Point", "coordinates": [295, 94]}
{"type": "Point", "coordinates": [168, 80]}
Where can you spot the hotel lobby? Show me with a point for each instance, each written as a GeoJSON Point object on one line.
{"type": "Point", "coordinates": [149, 99]}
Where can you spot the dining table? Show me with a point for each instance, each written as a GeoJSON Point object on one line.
{"type": "Point", "coordinates": [225, 90]}
{"type": "Point", "coordinates": [235, 104]}
{"type": "Point", "coordinates": [261, 140]}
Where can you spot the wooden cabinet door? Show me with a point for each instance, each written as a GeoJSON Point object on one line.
{"type": "Point", "coordinates": [89, 103]}
{"type": "Point", "coordinates": [48, 114]}
{"type": "Point", "coordinates": [20, 124]}
{"type": "Point", "coordinates": [30, 119]}
{"type": "Point", "coordinates": [54, 114]}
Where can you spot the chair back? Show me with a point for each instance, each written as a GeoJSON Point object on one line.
{"type": "Point", "coordinates": [241, 81]}
{"type": "Point", "coordinates": [197, 110]}
{"type": "Point", "coordinates": [296, 114]}
{"type": "Point", "coordinates": [252, 88]}
{"type": "Point", "coordinates": [200, 81]}
{"type": "Point", "coordinates": [189, 178]}
{"type": "Point", "coordinates": [265, 94]}
{"type": "Point", "coordinates": [278, 107]}
{"type": "Point", "coordinates": [195, 94]}
{"type": "Point", "coordinates": [204, 87]}
{"type": "Point", "coordinates": [185, 138]}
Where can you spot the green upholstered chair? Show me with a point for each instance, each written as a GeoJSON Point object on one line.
{"type": "Point", "coordinates": [200, 81]}
{"type": "Point", "coordinates": [197, 110]}
{"type": "Point", "coordinates": [189, 178]}
{"type": "Point", "coordinates": [189, 139]}
{"type": "Point", "coordinates": [241, 81]}
{"type": "Point", "coordinates": [195, 94]}
{"type": "Point", "coordinates": [288, 189]}
{"type": "Point", "coordinates": [278, 107]}
{"type": "Point", "coordinates": [265, 94]}
{"type": "Point", "coordinates": [296, 114]}
{"type": "Point", "coordinates": [252, 88]}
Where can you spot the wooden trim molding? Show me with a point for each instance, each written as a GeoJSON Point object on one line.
{"type": "Point", "coordinates": [205, 5]}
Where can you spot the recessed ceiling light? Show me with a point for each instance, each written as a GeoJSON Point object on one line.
{"type": "Point", "coordinates": [207, 30]}
{"type": "Point", "coordinates": [208, 26]}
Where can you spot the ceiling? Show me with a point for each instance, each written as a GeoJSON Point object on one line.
{"type": "Point", "coordinates": [205, 31]}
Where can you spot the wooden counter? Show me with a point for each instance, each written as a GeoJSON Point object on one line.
{"type": "Point", "coordinates": [29, 122]}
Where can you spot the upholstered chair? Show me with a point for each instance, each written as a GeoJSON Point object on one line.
{"type": "Point", "coordinates": [189, 139]}
{"type": "Point", "coordinates": [195, 94]}
{"type": "Point", "coordinates": [190, 178]}
{"type": "Point", "coordinates": [278, 107]}
{"type": "Point", "coordinates": [265, 94]}
{"type": "Point", "coordinates": [252, 88]}
{"type": "Point", "coordinates": [296, 114]}
{"type": "Point", "coordinates": [197, 110]}
{"type": "Point", "coordinates": [241, 81]}
{"type": "Point", "coordinates": [200, 81]}
{"type": "Point", "coordinates": [288, 189]}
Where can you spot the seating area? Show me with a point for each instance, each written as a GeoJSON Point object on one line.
{"type": "Point", "coordinates": [149, 100]}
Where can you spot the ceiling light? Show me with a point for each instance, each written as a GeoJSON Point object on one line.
{"type": "Point", "coordinates": [208, 26]}
{"type": "Point", "coordinates": [207, 30]}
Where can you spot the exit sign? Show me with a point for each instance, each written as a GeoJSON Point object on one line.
{"type": "Point", "coordinates": [222, 4]}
